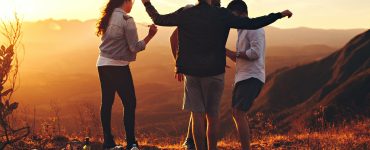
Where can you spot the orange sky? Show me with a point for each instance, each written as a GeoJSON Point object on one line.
{"type": "Point", "coordinates": [333, 14]}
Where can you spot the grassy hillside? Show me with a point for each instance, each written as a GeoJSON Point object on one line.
{"type": "Point", "coordinates": [335, 89]}
{"type": "Point", "coordinates": [58, 67]}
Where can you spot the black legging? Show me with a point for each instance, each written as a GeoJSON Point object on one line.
{"type": "Point", "coordinates": [112, 79]}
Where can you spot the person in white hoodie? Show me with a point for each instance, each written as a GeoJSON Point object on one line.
{"type": "Point", "coordinates": [118, 48]}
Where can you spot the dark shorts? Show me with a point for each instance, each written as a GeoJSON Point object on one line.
{"type": "Point", "coordinates": [245, 92]}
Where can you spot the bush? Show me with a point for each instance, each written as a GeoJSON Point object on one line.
{"type": "Point", "coordinates": [9, 133]}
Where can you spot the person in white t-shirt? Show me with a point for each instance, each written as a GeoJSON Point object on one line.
{"type": "Point", "coordinates": [250, 71]}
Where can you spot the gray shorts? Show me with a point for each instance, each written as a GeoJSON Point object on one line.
{"type": "Point", "coordinates": [203, 94]}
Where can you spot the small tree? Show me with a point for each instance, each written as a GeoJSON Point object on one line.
{"type": "Point", "coordinates": [8, 76]}
{"type": "Point", "coordinates": [92, 116]}
{"type": "Point", "coordinates": [81, 120]}
{"type": "Point", "coordinates": [55, 109]}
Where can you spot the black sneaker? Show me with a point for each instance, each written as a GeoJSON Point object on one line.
{"type": "Point", "coordinates": [109, 142]}
{"type": "Point", "coordinates": [109, 145]}
{"type": "Point", "coordinates": [189, 144]}
{"type": "Point", "coordinates": [115, 148]}
{"type": "Point", "coordinates": [132, 146]}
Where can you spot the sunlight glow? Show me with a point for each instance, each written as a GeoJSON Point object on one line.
{"type": "Point", "coordinates": [8, 8]}
{"type": "Point", "coordinates": [6, 11]}
{"type": "Point", "coordinates": [314, 14]}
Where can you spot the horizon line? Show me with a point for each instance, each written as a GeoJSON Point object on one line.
{"type": "Point", "coordinates": [88, 20]}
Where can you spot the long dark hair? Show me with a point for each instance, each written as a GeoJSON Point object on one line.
{"type": "Point", "coordinates": [102, 25]}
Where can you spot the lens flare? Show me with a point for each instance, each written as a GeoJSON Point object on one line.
{"type": "Point", "coordinates": [7, 9]}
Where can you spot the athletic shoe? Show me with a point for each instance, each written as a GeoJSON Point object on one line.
{"type": "Point", "coordinates": [115, 148]}
{"type": "Point", "coordinates": [132, 146]}
{"type": "Point", "coordinates": [189, 144]}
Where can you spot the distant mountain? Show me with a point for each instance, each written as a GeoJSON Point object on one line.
{"type": "Point", "coordinates": [304, 36]}
{"type": "Point", "coordinates": [328, 91]}
{"type": "Point", "coordinates": [61, 54]}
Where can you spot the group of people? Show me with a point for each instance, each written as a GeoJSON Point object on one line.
{"type": "Point", "coordinates": [198, 46]}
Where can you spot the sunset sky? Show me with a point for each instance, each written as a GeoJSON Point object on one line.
{"type": "Point", "coordinates": [327, 14]}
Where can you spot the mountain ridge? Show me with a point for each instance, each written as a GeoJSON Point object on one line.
{"type": "Point", "coordinates": [323, 84]}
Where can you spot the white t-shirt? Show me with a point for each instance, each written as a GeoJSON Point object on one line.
{"type": "Point", "coordinates": [252, 43]}
{"type": "Point", "coordinates": [104, 61]}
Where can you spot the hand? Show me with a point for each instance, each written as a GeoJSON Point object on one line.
{"type": "Point", "coordinates": [230, 53]}
{"type": "Point", "coordinates": [287, 13]}
{"type": "Point", "coordinates": [144, 1]}
{"type": "Point", "coordinates": [180, 77]}
{"type": "Point", "coordinates": [152, 30]}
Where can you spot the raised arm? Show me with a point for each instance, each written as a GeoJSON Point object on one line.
{"type": "Point", "coordinates": [253, 23]}
{"type": "Point", "coordinates": [132, 36]}
{"type": "Point", "coordinates": [171, 19]}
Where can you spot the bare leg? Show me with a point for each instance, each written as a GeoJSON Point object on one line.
{"type": "Point", "coordinates": [212, 127]}
{"type": "Point", "coordinates": [189, 135]}
{"type": "Point", "coordinates": [242, 126]}
{"type": "Point", "coordinates": [198, 130]}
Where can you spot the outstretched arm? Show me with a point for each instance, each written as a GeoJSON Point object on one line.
{"type": "Point", "coordinates": [254, 23]}
{"type": "Point", "coordinates": [171, 19]}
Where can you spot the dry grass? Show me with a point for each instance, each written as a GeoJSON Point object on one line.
{"type": "Point", "coordinates": [352, 136]}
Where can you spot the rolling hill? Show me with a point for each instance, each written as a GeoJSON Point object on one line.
{"type": "Point", "coordinates": [335, 89]}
